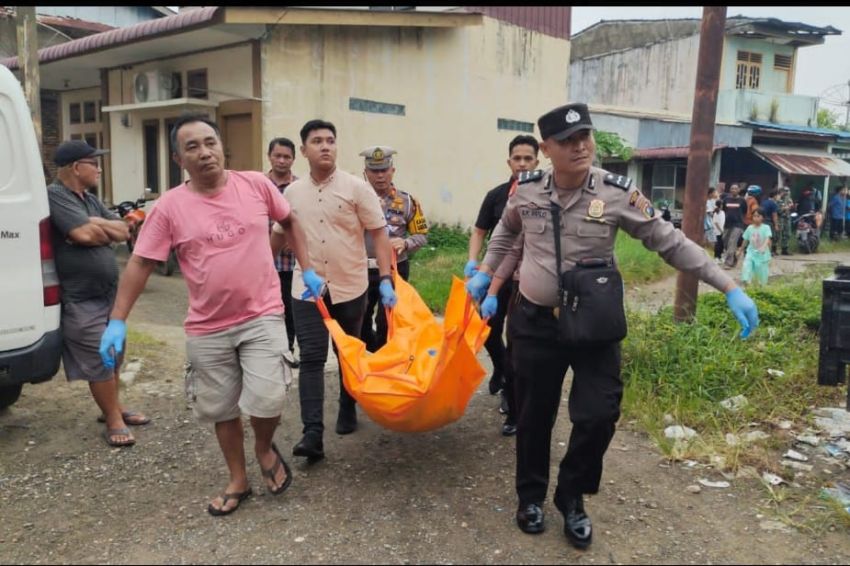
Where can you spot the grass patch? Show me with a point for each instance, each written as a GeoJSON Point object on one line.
{"type": "Point", "coordinates": [686, 369]}
{"type": "Point", "coordinates": [828, 246]}
{"type": "Point", "coordinates": [638, 264]}
{"type": "Point", "coordinates": [432, 267]}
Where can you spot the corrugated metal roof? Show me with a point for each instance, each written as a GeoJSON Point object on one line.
{"type": "Point", "coordinates": [802, 129]}
{"type": "Point", "coordinates": [667, 152]}
{"type": "Point", "coordinates": [806, 164]}
{"type": "Point", "coordinates": [179, 22]}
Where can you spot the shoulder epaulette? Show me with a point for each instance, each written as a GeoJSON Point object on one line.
{"type": "Point", "coordinates": [624, 183]}
{"type": "Point", "coordinates": [529, 176]}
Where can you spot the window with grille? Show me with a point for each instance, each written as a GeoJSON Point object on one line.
{"type": "Point", "coordinates": [782, 62]}
{"type": "Point", "coordinates": [748, 73]}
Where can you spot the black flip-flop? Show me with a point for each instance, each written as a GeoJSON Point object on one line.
{"type": "Point", "coordinates": [271, 473]}
{"type": "Point", "coordinates": [125, 415]}
{"type": "Point", "coordinates": [239, 497]}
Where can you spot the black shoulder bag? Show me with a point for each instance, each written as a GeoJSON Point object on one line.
{"type": "Point", "coordinates": [590, 299]}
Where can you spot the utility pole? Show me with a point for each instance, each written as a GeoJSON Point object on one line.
{"type": "Point", "coordinates": [847, 113]}
{"type": "Point", "coordinates": [702, 143]}
{"type": "Point", "coordinates": [28, 63]}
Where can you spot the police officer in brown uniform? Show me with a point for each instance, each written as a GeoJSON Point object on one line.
{"type": "Point", "coordinates": [407, 228]}
{"type": "Point", "coordinates": [591, 205]}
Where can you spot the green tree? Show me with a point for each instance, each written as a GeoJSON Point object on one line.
{"type": "Point", "coordinates": [610, 144]}
{"type": "Point", "coordinates": [827, 119]}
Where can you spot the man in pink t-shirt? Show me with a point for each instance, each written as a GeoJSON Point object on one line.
{"type": "Point", "coordinates": [217, 222]}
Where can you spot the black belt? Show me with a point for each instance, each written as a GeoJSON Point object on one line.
{"type": "Point", "coordinates": [533, 308]}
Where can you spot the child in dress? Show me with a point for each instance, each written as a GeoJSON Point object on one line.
{"type": "Point", "coordinates": [757, 249]}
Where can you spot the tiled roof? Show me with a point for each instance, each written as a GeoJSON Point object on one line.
{"type": "Point", "coordinates": [179, 22]}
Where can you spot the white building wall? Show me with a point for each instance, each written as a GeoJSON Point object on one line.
{"type": "Point", "coordinates": [657, 77]}
{"type": "Point", "coordinates": [454, 85]}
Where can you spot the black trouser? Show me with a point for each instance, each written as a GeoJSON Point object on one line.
{"type": "Point", "coordinates": [495, 345]}
{"type": "Point", "coordinates": [718, 247]}
{"type": "Point", "coordinates": [509, 389]}
{"type": "Point", "coordinates": [286, 292]}
{"type": "Point", "coordinates": [837, 226]}
{"type": "Point", "coordinates": [313, 340]}
{"type": "Point", "coordinates": [373, 338]}
{"type": "Point", "coordinates": [540, 363]}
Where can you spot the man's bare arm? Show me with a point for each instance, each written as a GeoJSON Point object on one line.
{"type": "Point", "coordinates": [117, 230]}
{"type": "Point", "coordinates": [131, 285]}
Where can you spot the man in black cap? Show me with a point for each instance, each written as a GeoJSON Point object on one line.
{"type": "Point", "coordinates": [83, 231]}
{"type": "Point", "coordinates": [584, 206]}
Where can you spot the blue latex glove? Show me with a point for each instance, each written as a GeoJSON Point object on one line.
{"type": "Point", "coordinates": [113, 339]}
{"type": "Point", "coordinates": [477, 286]}
{"type": "Point", "coordinates": [470, 268]}
{"type": "Point", "coordinates": [489, 306]}
{"type": "Point", "coordinates": [314, 284]}
{"type": "Point", "coordinates": [744, 310]}
{"type": "Point", "coordinates": [388, 298]}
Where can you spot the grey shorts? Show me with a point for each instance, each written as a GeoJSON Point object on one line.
{"type": "Point", "coordinates": [238, 370]}
{"type": "Point", "coordinates": [83, 324]}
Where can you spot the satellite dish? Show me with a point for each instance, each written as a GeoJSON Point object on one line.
{"type": "Point", "coordinates": [141, 87]}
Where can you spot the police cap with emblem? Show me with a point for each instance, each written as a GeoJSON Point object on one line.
{"type": "Point", "coordinates": [564, 121]}
{"type": "Point", "coordinates": [378, 156]}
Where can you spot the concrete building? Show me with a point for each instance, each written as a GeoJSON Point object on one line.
{"type": "Point", "coordinates": [60, 24]}
{"type": "Point", "coordinates": [638, 77]}
{"type": "Point", "coordinates": [447, 87]}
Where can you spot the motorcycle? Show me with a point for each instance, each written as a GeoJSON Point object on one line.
{"type": "Point", "coordinates": [807, 228]}
{"type": "Point", "coordinates": [133, 214]}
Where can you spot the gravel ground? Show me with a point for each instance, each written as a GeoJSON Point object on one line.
{"type": "Point", "coordinates": [379, 497]}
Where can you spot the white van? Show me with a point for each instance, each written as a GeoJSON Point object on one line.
{"type": "Point", "coordinates": [30, 337]}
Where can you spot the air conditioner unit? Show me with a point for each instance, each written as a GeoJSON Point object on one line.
{"type": "Point", "coordinates": [156, 85]}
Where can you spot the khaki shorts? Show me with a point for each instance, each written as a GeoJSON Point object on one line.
{"type": "Point", "coordinates": [238, 370]}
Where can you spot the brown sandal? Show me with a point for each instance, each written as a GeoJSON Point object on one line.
{"type": "Point", "coordinates": [110, 434]}
{"type": "Point", "coordinates": [131, 418]}
{"type": "Point", "coordinates": [239, 497]}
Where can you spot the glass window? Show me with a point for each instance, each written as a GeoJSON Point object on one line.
{"type": "Point", "coordinates": [151, 149]}
{"type": "Point", "coordinates": [74, 113]}
{"type": "Point", "coordinates": [91, 139]}
{"type": "Point", "coordinates": [89, 112]}
{"type": "Point", "coordinates": [196, 83]}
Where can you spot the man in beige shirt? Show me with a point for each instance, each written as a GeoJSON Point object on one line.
{"type": "Point", "coordinates": [336, 209]}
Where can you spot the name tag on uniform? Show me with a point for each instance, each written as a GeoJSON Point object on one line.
{"type": "Point", "coordinates": [533, 212]}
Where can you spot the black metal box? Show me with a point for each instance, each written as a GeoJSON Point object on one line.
{"type": "Point", "coordinates": [835, 329]}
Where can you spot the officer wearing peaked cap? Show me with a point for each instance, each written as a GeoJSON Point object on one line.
{"type": "Point", "coordinates": [407, 228]}
{"type": "Point", "coordinates": [590, 205]}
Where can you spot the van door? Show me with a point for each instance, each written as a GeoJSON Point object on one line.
{"type": "Point", "coordinates": [24, 223]}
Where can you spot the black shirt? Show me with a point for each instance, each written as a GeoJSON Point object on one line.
{"type": "Point", "coordinates": [735, 208]}
{"type": "Point", "coordinates": [85, 272]}
{"type": "Point", "coordinates": [492, 207]}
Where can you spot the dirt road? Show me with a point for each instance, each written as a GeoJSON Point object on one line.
{"type": "Point", "coordinates": [378, 497]}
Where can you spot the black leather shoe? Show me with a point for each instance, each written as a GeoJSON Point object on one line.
{"type": "Point", "coordinates": [495, 384]}
{"type": "Point", "coordinates": [529, 518]}
{"type": "Point", "coordinates": [509, 428]}
{"type": "Point", "coordinates": [310, 446]}
{"type": "Point", "coordinates": [577, 525]}
{"type": "Point", "coordinates": [346, 420]}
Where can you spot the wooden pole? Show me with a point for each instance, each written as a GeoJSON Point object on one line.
{"type": "Point", "coordinates": [702, 144]}
{"type": "Point", "coordinates": [28, 63]}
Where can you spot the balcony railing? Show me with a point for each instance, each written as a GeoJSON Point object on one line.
{"type": "Point", "coordinates": [735, 105]}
